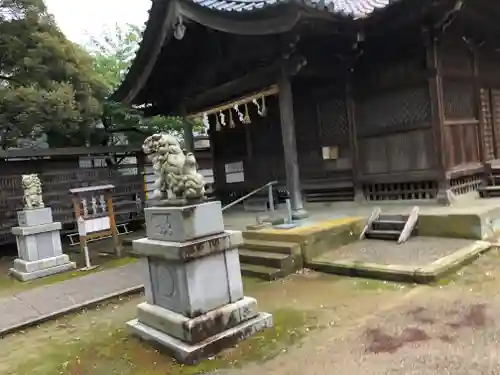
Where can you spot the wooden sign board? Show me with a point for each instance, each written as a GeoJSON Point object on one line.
{"type": "Point", "coordinates": [99, 218]}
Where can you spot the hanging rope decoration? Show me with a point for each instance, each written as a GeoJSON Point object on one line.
{"type": "Point", "coordinates": [246, 118]}
{"type": "Point", "coordinates": [217, 123]}
{"type": "Point", "coordinates": [206, 122]}
{"type": "Point", "coordinates": [222, 118]}
{"type": "Point", "coordinates": [242, 114]}
{"type": "Point", "coordinates": [239, 113]}
{"type": "Point", "coordinates": [232, 125]}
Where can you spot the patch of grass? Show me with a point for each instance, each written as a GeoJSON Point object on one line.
{"type": "Point", "coordinates": [111, 350]}
{"type": "Point", "coordinates": [10, 285]}
{"type": "Point", "coordinates": [373, 284]}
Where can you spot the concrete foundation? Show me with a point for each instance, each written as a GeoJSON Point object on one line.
{"type": "Point", "coordinates": [195, 304]}
{"type": "Point", "coordinates": [39, 246]}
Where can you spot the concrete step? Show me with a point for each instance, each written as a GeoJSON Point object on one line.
{"type": "Point", "coordinates": [391, 225]}
{"type": "Point", "coordinates": [392, 217]}
{"type": "Point", "coordinates": [489, 191]}
{"type": "Point", "coordinates": [276, 247]}
{"type": "Point", "coordinates": [262, 272]}
{"type": "Point", "coordinates": [261, 258]}
{"type": "Point", "coordinates": [383, 234]}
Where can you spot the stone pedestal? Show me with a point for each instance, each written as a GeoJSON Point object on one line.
{"type": "Point", "coordinates": [38, 245]}
{"type": "Point", "coordinates": [195, 305]}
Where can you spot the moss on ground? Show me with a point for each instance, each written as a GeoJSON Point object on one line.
{"type": "Point", "coordinates": [9, 285]}
{"type": "Point", "coordinates": [111, 350]}
{"type": "Point", "coordinates": [376, 285]}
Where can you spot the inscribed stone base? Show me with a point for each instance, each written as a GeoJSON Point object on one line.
{"type": "Point", "coordinates": [25, 271]}
{"type": "Point", "coordinates": [180, 224]}
{"type": "Point", "coordinates": [35, 216]}
{"type": "Point", "coordinates": [38, 242]}
{"type": "Point", "coordinates": [192, 353]}
{"type": "Point", "coordinates": [194, 330]}
{"type": "Point", "coordinates": [197, 286]}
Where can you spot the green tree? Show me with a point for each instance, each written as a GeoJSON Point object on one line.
{"type": "Point", "coordinates": [47, 83]}
{"type": "Point", "coordinates": [113, 52]}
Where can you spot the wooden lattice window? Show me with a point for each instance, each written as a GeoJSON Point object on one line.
{"type": "Point", "coordinates": [409, 106]}
{"type": "Point", "coordinates": [458, 100]}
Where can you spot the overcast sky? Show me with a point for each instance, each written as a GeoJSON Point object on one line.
{"type": "Point", "coordinates": [77, 18]}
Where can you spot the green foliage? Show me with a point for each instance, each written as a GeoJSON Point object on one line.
{"type": "Point", "coordinates": [47, 83]}
{"type": "Point", "coordinates": [113, 53]}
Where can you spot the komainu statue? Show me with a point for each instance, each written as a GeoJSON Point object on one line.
{"type": "Point", "coordinates": [32, 187]}
{"type": "Point", "coordinates": [177, 176]}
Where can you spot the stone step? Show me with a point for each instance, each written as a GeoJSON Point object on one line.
{"type": "Point", "coordinates": [383, 234]}
{"type": "Point", "coordinates": [276, 247]}
{"type": "Point", "coordinates": [392, 217]}
{"type": "Point", "coordinates": [388, 225]}
{"type": "Point", "coordinates": [262, 272]}
{"type": "Point", "coordinates": [261, 258]}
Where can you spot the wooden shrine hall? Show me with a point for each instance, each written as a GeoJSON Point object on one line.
{"type": "Point", "coordinates": [335, 99]}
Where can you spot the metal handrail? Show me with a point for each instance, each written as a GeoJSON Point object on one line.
{"type": "Point", "coordinates": [269, 185]}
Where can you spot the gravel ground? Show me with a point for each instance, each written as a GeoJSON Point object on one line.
{"type": "Point", "coordinates": [418, 251]}
{"type": "Point", "coordinates": [433, 330]}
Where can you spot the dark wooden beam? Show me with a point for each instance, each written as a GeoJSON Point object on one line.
{"type": "Point", "coordinates": [353, 138]}
{"type": "Point", "coordinates": [437, 115]}
{"type": "Point", "coordinates": [477, 102]}
{"type": "Point", "coordinates": [290, 145]}
{"type": "Point", "coordinates": [251, 81]}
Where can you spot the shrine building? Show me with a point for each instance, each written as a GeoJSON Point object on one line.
{"type": "Point", "coordinates": [334, 99]}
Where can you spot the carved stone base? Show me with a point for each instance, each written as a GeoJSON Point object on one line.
{"type": "Point", "coordinates": [26, 270]}
{"type": "Point", "coordinates": [200, 328]}
{"type": "Point", "coordinates": [359, 197]}
{"type": "Point", "coordinates": [300, 214]}
{"type": "Point", "coordinates": [193, 353]}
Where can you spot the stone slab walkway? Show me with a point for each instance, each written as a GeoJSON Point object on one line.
{"type": "Point", "coordinates": [37, 305]}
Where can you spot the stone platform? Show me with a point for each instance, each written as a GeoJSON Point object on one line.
{"type": "Point", "coordinates": [420, 260]}
{"type": "Point", "coordinates": [271, 253]}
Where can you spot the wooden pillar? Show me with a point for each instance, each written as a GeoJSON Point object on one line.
{"type": "Point", "coordinates": [188, 135]}
{"type": "Point", "coordinates": [290, 146]}
{"type": "Point", "coordinates": [437, 114]}
{"type": "Point", "coordinates": [477, 107]}
{"type": "Point", "coordinates": [217, 174]}
{"type": "Point", "coordinates": [353, 138]}
{"type": "Point", "coordinates": [141, 173]}
{"type": "Point", "coordinates": [187, 127]}
{"type": "Point", "coordinates": [78, 214]}
{"type": "Point", "coordinates": [112, 221]}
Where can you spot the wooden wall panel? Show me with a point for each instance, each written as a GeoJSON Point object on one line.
{"type": "Point", "coordinates": [307, 131]}
{"type": "Point", "coordinates": [458, 99]}
{"type": "Point", "coordinates": [455, 56]}
{"type": "Point", "coordinates": [396, 153]}
{"type": "Point", "coordinates": [462, 143]}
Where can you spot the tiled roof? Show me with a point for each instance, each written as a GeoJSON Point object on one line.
{"type": "Point", "coordinates": [353, 8]}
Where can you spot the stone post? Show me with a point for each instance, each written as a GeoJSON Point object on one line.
{"type": "Point", "coordinates": [195, 305]}
{"type": "Point", "coordinates": [38, 245]}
